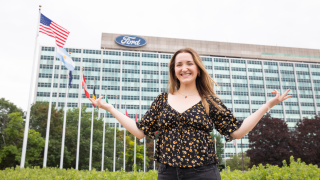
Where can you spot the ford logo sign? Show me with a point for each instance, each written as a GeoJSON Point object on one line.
{"type": "Point", "coordinates": [130, 41]}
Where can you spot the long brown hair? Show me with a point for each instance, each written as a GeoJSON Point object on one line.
{"type": "Point", "coordinates": [204, 82]}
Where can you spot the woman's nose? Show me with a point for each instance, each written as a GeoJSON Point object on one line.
{"type": "Point", "coordinates": [184, 68]}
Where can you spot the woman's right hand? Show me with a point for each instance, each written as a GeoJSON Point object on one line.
{"type": "Point", "coordinates": [102, 105]}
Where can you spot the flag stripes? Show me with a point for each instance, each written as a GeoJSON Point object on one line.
{"type": "Point", "coordinates": [52, 29]}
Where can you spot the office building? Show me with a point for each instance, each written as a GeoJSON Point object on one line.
{"type": "Point", "coordinates": [134, 69]}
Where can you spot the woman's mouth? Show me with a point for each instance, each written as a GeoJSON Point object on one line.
{"type": "Point", "coordinates": [185, 75]}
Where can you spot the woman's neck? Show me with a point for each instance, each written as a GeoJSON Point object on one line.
{"type": "Point", "coordinates": [188, 89]}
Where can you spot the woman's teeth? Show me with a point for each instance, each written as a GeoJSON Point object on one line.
{"type": "Point", "coordinates": [185, 74]}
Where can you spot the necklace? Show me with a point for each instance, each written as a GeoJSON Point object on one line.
{"type": "Point", "coordinates": [185, 96]}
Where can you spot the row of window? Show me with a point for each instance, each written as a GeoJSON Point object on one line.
{"type": "Point", "coordinates": [47, 49]}
{"type": "Point", "coordinates": [61, 104]}
{"type": "Point", "coordinates": [131, 71]}
{"type": "Point", "coordinates": [283, 72]}
{"type": "Point", "coordinates": [239, 85]}
{"type": "Point", "coordinates": [87, 51]}
{"type": "Point", "coordinates": [150, 72]}
{"type": "Point", "coordinates": [223, 68]}
{"type": "Point", "coordinates": [257, 94]}
{"type": "Point", "coordinates": [255, 78]}
{"type": "Point", "coordinates": [238, 69]}
{"type": "Point", "coordinates": [91, 60]}
{"type": "Point", "coordinates": [302, 73]}
{"type": "Point", "coordinates": [244, 145]}
{"type": "Point", "coordinates": [150, 55]}
{"type": "Point", "coordinates": [111, 61]}
{"type": "Point", "coordinates": [254, 70]}
{"type": "Point", "coordinates": [47, 94]}
{"type": "Point", "coordinates": [72, 50]}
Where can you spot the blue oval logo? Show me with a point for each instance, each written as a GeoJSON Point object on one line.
{"type": "Point", "coordinates": [130, 41]}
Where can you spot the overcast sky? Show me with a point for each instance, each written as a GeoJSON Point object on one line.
{"type": "Point", "coordinates": [287, 23]}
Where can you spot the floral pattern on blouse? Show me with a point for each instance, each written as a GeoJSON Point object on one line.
{"type": "Point", "coordinates": [184, 139]}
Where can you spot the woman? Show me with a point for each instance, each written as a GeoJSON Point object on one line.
{"type": "Point", "coordinates": [185, 116]}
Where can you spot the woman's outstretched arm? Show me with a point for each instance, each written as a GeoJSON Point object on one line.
{"type": "Point", "coordinates": [126, 122]}
{"type": "Point", "coordinates": [250, 122]}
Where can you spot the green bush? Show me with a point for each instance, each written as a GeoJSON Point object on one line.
{"type": "Point", "coordinates": [56, 173]}
{"type": "Point", "coordinates": [296, 170]}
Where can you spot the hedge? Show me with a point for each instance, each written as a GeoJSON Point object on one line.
{"type": "Point", "coordinates": [296, 170]}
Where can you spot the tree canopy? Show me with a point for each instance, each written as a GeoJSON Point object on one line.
{"type": "Point", "coordinates": [269, 142]}
{"type": "Point", "coordinates": [305, 140]}
{"type": "Point", "coordinates": [12, 132]}
{"type": "Point", "coordinates": [12, 129]}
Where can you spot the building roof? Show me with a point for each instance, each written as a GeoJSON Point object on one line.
{"type": "Point", "coordinates": [214, 48]}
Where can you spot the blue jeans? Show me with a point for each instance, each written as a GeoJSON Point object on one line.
{"type": "Point", "coordinates": [166, 172]}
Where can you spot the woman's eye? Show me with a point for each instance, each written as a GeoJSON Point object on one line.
{"type": "Point", "coordinates": [178, 64]}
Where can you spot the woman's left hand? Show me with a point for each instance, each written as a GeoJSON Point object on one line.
{"type": "Point", "coordinates": [279, 98]}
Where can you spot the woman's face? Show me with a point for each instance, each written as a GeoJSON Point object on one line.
{"type": "Point", "coordinates": [185, 68]}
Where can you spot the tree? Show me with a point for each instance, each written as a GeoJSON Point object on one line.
{"type": "Point", "coordinates": [235, 162]}
{"type": "Point", "coordinates": [305, 140]}
{"type": "Point", "coordinates": [219, 145]}
{"type": "Point", "coordinates": [10, 153]}
{"type": "Point", "coordinates": [130, 153]}
{"type": "Point", "coordinates": [12, 136]}
{"type": "Point", "coordinates": [269, 142]}
{"type": "Point", "coordinates": [6, 108]}
{"type": "Point", "coordinates": [38, 122]}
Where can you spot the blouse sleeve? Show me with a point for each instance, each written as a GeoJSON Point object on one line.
{"type": "Point", "coordinates": [224, 121]}
{"type": "Point", "coordinates": [148, 123]}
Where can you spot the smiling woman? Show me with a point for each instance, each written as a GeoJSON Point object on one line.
{"type": "Point", "coordinates": [184, 118]}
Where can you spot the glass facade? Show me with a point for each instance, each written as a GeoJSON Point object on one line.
{"type": "Point", "coordinates": [134, 79]}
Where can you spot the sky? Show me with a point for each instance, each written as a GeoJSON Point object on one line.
{"type": "Point", "coordinates": [288, 23]}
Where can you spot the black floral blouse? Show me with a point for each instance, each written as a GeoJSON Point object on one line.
{"type": "Point", "coordinates": [184, 139]}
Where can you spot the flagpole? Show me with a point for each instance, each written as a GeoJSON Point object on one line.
{"type": "Point", "coordinates": [242, 156]}
{"type": "Point", "coordinates": [114, 144]}
{"type": "Point", "coordinates": [236, 146]}
{"type": "Point", "coordinates": [144, 154]}
{"type": "Point", "coordinates": [49, 113]}
{"type": "Point", "coordinates": [90, 158]}
{"type": "Point", "coordinates": [135, 145]}
{"type": "Point", "coordinates": [225, 158]}
{"type": "Point", "coordinates": [26, 128]}
{"type": "Point", "coordinates": [104, 131]}
{"type": "Point", "coordinates": [154, 152]}
{"type": "Point", "coordinates": [64, 123]}
{"type": "Point", "coordinates": [124, 144]}
{"type": "Point", "coordinates": [215, 142]}
{"type": "Point", "coordinates": [79, 122]}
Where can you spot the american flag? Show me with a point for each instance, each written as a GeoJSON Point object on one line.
{"type": "Point", "coordinates": [54, 30]}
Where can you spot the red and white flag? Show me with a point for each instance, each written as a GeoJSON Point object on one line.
{"type": "Point", "coordinates": [52, 29]}
{"type": "Point", "coordinates": [84, 85]}
{"type": "Point", "coordinates": [136, 118]}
